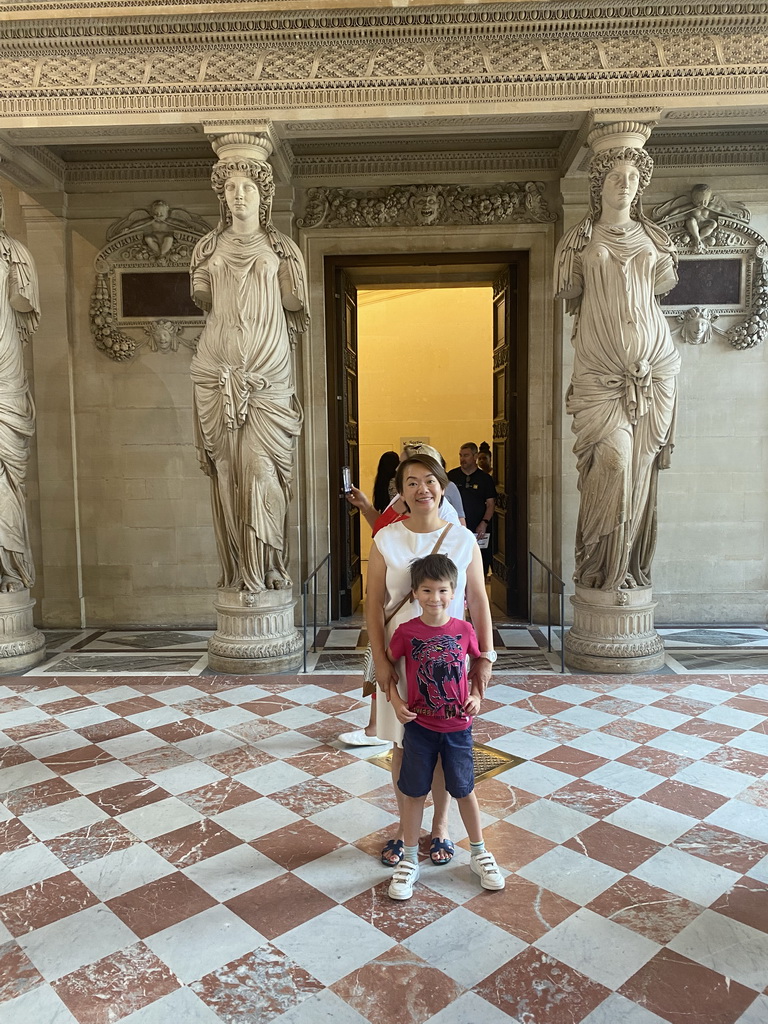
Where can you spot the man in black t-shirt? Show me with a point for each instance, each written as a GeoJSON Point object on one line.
{"type": "Point", "coordinates": [478, 495]}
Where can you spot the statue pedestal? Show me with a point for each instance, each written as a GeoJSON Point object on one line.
{"type": "Point", "coordinates": [613, 631]}
{"type": "Point", "coordinates": [21, 645]}
{"type": "Point", "coordinates": [255, 634]}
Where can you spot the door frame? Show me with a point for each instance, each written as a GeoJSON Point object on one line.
{"type": "Point", "coordinates": [311, 514]}
{"type": "Point", "coordinates": [482, 265]}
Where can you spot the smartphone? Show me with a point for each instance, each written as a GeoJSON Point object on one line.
{"type": "Point", "coordinates": [346, 480]}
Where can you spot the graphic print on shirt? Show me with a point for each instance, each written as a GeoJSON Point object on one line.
{"type": "Point", "coordinates": [440, 671]}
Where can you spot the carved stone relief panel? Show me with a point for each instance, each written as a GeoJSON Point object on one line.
{"type": "Point", "coordinates": [142, 295]}
{"type": "Point", "coordinates": [722, 268]}
{"type": "Point", "coordinates": [427, 205]}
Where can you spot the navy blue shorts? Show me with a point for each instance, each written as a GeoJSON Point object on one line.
{"type": "Point", "coordinates": [420, 750]}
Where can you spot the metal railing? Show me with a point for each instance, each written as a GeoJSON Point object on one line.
{"type": "Point", "coordinates": [304, 601]}
{"type": "Point", "coordinates": [551, 575]}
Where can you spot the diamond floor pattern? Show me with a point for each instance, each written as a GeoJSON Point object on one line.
{"type": "Point", "coordinates": [202, 849]}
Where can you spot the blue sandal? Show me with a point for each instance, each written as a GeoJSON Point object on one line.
{"type": "Point", "coordinates": [441, 844]}
{"type": "Point", "coordinates": [395, 848]}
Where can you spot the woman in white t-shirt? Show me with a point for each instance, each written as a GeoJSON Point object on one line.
{"type": "Point", "coordinates": [420, 483]}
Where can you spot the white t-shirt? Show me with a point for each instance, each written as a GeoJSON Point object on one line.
{"type": "Point", "coordinates": [398, 547]}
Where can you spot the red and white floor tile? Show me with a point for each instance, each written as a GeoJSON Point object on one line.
{"type": "Point", "coordinates": [202, 850]}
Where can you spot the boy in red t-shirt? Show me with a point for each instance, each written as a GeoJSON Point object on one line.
{"type": "Point", "coordinates": [437, 718]}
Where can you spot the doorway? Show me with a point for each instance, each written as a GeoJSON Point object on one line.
{"type": "Point", "coordinates": [496, 407]}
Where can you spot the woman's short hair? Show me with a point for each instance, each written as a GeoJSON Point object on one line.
{"type": "Point", "coordinates": [431, 464]}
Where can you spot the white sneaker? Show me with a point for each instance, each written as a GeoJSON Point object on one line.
{"type": "Point", "coordinates": [403, 880]}
{"type": "Point", "coordinates": [484, 865]}
{"type": "Point", "coordinates": [360, 738]}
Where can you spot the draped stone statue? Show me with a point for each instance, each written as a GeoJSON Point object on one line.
{"type": "Point", "coordinates": [623, 392]}
{"type": "Point", "coordinates": [250, 280]}
{"type": "Point", "coordinates": [19, 318]}
{"type": "Point", "coordinates": [623, 396]}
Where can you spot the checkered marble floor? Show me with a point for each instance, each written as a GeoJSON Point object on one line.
{"type": "Point", "coordinates": [339, 649]}
{"type": "Point", "coordinates": [204, 851]}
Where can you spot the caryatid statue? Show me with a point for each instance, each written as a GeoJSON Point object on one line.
{"type": "Point", "coordinates": [19, 318]}
{"type": "Point", "coordinates": [623, 393]}
{"type": "Point", "coordinates": [250, 280]}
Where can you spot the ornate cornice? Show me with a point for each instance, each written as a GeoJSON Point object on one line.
{"type": "Point", "coordinates": [141, 98]}
{"type": "Point", "coordinates": [743, 154]}
{"type": "Point", "coordinates": [523, 56]}
{"type": "Point", "coordinates": [493, 165]}
{"type": "Point", "coordinates": [102, 172]}
{"type": "Point", "coordinates": [422, 126]}
{"type": "Point", "coordinates": [56, 22]}
{"type": "Point", "coordinates": [388, 165]}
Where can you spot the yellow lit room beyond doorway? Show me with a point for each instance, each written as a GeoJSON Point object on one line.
{"type": "Point", "coordinates": [424, 372]}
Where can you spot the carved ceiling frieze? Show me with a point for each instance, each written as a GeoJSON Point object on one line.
{"type": "Point", "coordinates": [176, 99]}
{"type": "Point", "coordinates": [131, 61]}
{"type": "Point", "coordinates": [442, 54]}
{"type": "Point", "coordinates": [306, 61]}
{"type": "Point", "coordinates": [65, 20]}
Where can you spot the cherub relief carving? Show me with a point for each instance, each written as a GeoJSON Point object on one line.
{"type": "Point", "coordinates": [696, 217]}
{"type": "Point", "coordinates": [158, 225]}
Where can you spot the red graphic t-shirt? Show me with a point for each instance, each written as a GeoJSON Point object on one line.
{"type": "Point", "coordinates": [436, 670]}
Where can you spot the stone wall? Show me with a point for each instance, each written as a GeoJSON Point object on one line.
{"type": "Point", "coordinates": [124, 514]}
{"type": "Point", "coordinates": [119, 510]}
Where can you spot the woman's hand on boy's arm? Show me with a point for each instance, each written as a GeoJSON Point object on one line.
{"type": "Point", "coordinates": [479, 675]}
{"type": "Point", "coordinates": [401, 709]}
{"type": "Point", "coordinates": [386, 674]}
{"type": "Point", "coordinates": [472, 703]}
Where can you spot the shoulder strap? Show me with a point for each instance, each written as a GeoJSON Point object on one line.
{"type": "Point", "coordinates": [440, 539]}
{"type": "Point", "coordinates": [407, 597]}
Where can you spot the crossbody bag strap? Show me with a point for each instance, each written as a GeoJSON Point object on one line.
{"type": "Point", "coordinates": [407, 597]}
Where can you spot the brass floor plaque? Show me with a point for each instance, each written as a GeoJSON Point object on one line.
{"type": "Point", "coordinates": [488, 761]}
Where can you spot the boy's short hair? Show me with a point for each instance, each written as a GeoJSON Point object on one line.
{"type": "Point", "coordinates": [433, 567]}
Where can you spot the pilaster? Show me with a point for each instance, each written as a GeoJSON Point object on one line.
{"type": "Point", "coordinates": [59, 593]}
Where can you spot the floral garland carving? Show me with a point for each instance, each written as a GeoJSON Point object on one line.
{"type": "Point", "coordinates": [426, 205]}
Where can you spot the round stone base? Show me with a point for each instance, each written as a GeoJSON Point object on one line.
{"type": "Point", "coordinates": [21, 645]}
{"type": "Point", "coordinates": [255, 634]}
{"type": "Point", "coordinates": [613, 632]}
